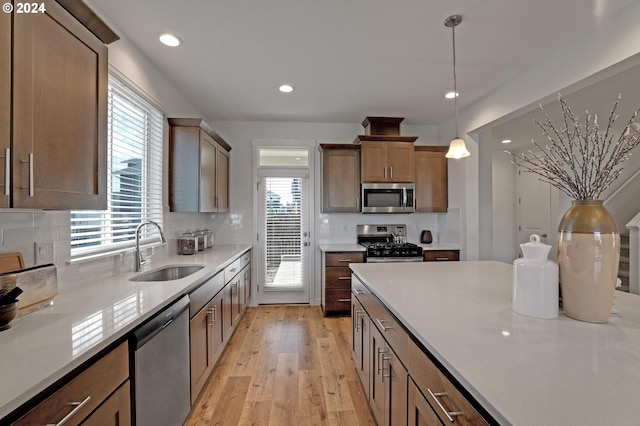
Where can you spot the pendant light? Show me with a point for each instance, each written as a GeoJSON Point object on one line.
{"type": "Point", "coordinates": [457, 148]}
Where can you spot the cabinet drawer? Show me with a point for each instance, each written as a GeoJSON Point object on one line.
{"type": "Point", "coordinates": [83, 393]}
{"type": "Point", "coordinates": [441, 255]}
{"type": "Point", "coordinates": [344, 258]}
{"type": "Point", "coordinates": [232, 270]}
{"type": "Point", "coordinates": [390, 329]}
{"type": "Point", "coordinates": [338, 300]}
{"type": "Point", "coordinates": [443, 396]}
{"type": "Point", "coordinates": [337, 277]}
{"type": "Point", "coordinates": [203, 294]}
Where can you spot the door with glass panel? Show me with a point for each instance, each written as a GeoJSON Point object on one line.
{"type": "Point", "coordinates": [283, 237]}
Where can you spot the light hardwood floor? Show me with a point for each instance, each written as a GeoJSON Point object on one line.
{"type": "Point", "coordinates": [285, 365]}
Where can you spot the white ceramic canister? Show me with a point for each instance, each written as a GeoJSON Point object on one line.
{"type": "Point", "coordinates": [535, 281]}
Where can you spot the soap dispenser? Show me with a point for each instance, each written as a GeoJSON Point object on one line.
{"type": "Point", "coordinates": [535, 281]}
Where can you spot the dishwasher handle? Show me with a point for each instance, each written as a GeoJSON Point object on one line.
{"type": "Point", "coordinates": [155, 325]}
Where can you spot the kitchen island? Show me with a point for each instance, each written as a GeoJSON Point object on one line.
{"type": "Point", "coordinates": [519, 370]}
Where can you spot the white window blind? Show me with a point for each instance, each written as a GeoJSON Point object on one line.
{"type": "Point", "coordinates": [283, 206]}
{"type": "Point", "coordinates": [134, 176]}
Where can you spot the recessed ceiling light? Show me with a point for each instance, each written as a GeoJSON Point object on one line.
{"type": "Point", "coordinates": [451, 95]}
{"type": "Point", "coordinates": [170, 40]}
{"type": "Point", "coordinates": [286, 88]}
{"type": "Point", "coordinates": [506, 141]}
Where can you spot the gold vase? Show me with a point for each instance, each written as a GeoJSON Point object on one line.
{"type": "Point", "coordinates": [588, 255]}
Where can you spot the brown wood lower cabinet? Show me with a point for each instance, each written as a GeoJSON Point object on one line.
{"type": "Point", "coordinates": [441, 255]}
{"type": "Point", "coordinates": [91, 389]}
{"type": "Point", "coordinates": [403, 386]}
{"type": "Point", "coordinates": [216, 308]}
{"type": "Point", "coordinates": [336, 281]}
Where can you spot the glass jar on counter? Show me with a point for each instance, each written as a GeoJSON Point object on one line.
{"type": "Point", "coordinates": [201, 240]}
{"type": "Point", "coordinates": [187, 243]}
{"type": "Point", "coordinates": [208, 236]}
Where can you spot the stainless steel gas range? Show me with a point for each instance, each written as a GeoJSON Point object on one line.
{"type": "Point", "coordinates": [388, 243]}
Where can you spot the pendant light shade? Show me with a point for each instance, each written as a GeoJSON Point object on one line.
{"type": "Point", "coordinates": [457, 148]}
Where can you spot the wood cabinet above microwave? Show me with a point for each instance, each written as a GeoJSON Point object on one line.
{"type": "Point", "coordinates": [53, 108]}
{"type": "Point", "coordinates": [198, 167]}
{"type": "Point", "coordinates": [385, 160]}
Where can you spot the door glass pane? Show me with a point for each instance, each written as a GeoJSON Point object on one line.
{"type": "Point", "coordinates": [283, 157]}
{"type": "Point", "coordinates": [283, 207]}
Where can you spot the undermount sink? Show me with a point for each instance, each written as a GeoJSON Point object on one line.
{"type": "Point", "coordinates": [168, 273]}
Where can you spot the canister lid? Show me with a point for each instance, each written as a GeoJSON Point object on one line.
{"type": "Point", "coordinates": [535, 249]}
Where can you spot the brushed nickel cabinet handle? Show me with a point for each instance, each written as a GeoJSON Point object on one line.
{"type": "Point", "coordinates": [358, 291]}
{"type": "Point", "coordinates": [344, 260]}
{"type": "Point", "coordinates": [7, 170]}
{"type": "Point", "coordinates": [344, 278]}
{"type": "Point", "coordinates": [77, 405]}
{"type": "Point", "coordinates": [442, 258]}
{"type": "Point", "coordinates": [390, 172]}
{"type": "Point", "coordinates": [210, 315]}
{"type": "Point", "coordinates": [379, 321]}
{"type": "Point", "coordinates": [385, 172]}
{"type": "Point", "coordinates": [344, 300]}
{"type": "Point", "coordinates": [450, 414]}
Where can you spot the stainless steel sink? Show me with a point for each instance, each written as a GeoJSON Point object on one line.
{"type": "Point", "coordinates": [168, 273]}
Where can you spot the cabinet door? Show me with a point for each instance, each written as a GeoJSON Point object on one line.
{"type": "Point", "coordinates": [341, 180]}
{"type": "Point", "coordinates": [247, 284]}
{"type": "Point", "coordinates": [420, 412]}
{"type": "Point", "coordinates": [227, 312]}
{"type": "Point", "coordinates": [115, 411]}
{"type": "Point", "coordinates": [400, 162]}
{"type": "Point", "coordinates": [222, 180]}
{"type": "Point", "coordinates": [431, 179]}
{"type": "Point", "coordinates": [374, 162]}
{"type": "Point", "coordinates": [201, 350]}
{"type": "Point", "coordinates": [360, 343]}
{"type": "Point", "coordinates": [377, 350]}
{"type": "Point", "coordinates": [5, 107]}
{"type": "Point", "coordinates": [395, 378]}
{"type": "Point", "coordinates": [217, 325]}
{"type": "Point", "coordinates": [236, 301]}
{"type": "Point", "coordinates": [208, 162]}
{"type": "Point", "coordinates": [59, 112]}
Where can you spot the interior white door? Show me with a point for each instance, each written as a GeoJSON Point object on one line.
{"type": "Point", "coordinates": [284, 238]}
{"type": "Point", "coordinates": [534, 207]}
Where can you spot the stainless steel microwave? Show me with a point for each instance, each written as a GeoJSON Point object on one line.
{"type": "Point", "coordinates": [388, 198]}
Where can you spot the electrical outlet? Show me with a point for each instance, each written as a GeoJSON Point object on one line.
{"type": "Point", "coordinates": [44, 252]}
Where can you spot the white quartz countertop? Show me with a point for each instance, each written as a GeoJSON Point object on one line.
{"type": "Point", "coordinates": [326, 248]}
{"type": "Point", "coordinates": [42, 347]}
{"type": "Point", "coordinates": [523, 371]}
{"type": "Point", "coordinates": [439, 246]}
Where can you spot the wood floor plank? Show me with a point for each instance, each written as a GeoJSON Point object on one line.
{"type": "Point", "coordinates": [284, 404]}
{"type": "Point", "coordinates": [285, 365]}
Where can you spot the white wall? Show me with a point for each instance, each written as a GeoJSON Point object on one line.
{"type": "Point", "coordinates": [570, 66]}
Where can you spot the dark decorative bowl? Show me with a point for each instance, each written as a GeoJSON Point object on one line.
{"type": "Point", "coordinates": [7, 313]}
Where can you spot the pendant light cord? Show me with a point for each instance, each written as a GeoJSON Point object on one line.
{"type": "Point", "coordinates": [455, 87]}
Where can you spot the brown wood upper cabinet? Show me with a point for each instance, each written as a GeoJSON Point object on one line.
{"type": "Point", "coordinates": [198, 167]}
{"type": "Point", "coordinates": [53, 134]}
{"type": "Point", "coordinates": [432, 194]}
{"type": "Point", "coordinates": [387, 161]}
{"type": "Point", "coordinates": [340, 178]}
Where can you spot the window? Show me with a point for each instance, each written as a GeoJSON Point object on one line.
{"type": "Point", "coordinates": [134, 176]}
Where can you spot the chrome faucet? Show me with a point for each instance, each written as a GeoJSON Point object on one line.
{"type": "Point", "coordinates": [138, 260]}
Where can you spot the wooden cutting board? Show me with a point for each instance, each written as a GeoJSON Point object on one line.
{"type": "Point", "coordinates": [11, 262]}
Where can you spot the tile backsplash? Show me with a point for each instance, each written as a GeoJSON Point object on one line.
{"type": "Point", "coordinates": [21, 229]}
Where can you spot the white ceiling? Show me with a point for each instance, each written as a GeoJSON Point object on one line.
{"type": "Point", "coordinates": [347, 59]}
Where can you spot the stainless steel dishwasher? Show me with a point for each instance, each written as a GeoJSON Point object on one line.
{"type": "Point", "coordinates": [160, 352]}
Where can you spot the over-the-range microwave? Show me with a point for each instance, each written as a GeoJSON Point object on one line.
{"type": "Point", "coordinates": [388, 198]}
